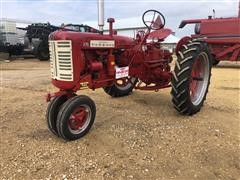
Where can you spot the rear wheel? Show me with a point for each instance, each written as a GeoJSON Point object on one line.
{"type": "Point", "coordinates": [122, 87]}
{"type": "Point", "coordinates": [43, 51]}
{"type": "Point", "coordinates": [76, 117]}
{"type": "Point", "coordinates": [191, 77]}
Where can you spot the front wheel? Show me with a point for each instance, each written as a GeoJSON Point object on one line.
{"type": "Point", "coordinates": [52, 112]}
{"type": "Point", "coordinates": [76, 117]}
{"type": "Point", "coordinates": [191, 77]}
{"type": "Point", "coordinates": [122, 87]}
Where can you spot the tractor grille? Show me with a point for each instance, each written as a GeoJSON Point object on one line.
{"type": "Point", "coordinates": [61, 60]}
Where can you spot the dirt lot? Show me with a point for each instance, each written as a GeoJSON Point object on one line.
{"type": "Point", "coordinates": [135, 137]}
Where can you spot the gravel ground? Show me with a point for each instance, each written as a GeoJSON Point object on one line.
{"type": "Point", "coordinates": [136, 137]}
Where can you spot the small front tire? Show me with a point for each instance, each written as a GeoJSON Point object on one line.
{"type": "Point", "coordinates": [52, 112]}
{"type": "Point", "coordinates": [76, 117]}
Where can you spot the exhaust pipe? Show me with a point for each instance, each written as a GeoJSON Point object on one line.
{"type": "Point", "coordinates": [239, 9]}
{"type": "Point", "coordinates": [101, 15]}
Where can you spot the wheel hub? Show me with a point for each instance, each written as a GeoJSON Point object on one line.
{"type": "Point", "coordinates": [125, 83]}
{"type": "Point", "coordinates": [122, 82]}
{"type": "Point", "coordinates": [78, 118]}
{"type": "Point", "coordinates": [199, 79]}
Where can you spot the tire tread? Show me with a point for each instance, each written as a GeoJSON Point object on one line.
{"type": "Point", "coordinates": [181, 77]}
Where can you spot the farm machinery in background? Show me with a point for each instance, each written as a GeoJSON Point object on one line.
{"type": "Point", "coordinates": [221, 34]}
{"type": "Point", "coordinates": [120, 64]}
{"type": "Point", "coordinates": [36, 39]}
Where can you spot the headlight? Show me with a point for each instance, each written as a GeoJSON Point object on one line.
{"type": "Point", "coordinates": [197, 28]}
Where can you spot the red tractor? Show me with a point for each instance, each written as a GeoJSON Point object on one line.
{"type": "Point", "coordinates": [119, 64]}
{"type": "Point", "coordinates": [221, 34]}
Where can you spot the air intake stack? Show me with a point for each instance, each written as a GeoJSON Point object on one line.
{"type": "Point", "coordinates": [239, 9]}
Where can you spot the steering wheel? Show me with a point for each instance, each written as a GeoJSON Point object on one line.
{"type": "Point", "coordinates": [153, 20]}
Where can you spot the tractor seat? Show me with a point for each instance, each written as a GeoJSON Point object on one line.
{"type": "Point", "coordinates": [160, 34]}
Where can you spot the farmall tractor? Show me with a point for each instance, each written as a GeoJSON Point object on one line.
{"type": "Point", "coordinates": [120, 64]}
{"type": "Point", "coordinates": [221, 34]}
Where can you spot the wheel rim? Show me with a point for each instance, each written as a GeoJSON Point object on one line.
{"type": "Point", "coordinates": [125, 83]}
{"type": "Point", "coordinates": [79, 119]}
{"type": "Point", "coordinates": [199, 78]}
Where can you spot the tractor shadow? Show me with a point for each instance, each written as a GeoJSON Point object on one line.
{"type": "Point", "coordinates": [229, 88]}
{"type": "Point", "coordinates": [152, 99]}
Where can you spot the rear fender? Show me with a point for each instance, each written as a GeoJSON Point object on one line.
{"type": "Point", "coordinates": [180, 43]}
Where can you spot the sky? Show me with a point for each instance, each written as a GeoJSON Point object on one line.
{"type": "Point", "coordinates": [79, 11]}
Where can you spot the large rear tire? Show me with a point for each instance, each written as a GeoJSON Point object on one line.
{"type": "Point", "coordinates": [122, 87]}
{"type": "Point", "coordinates": [43, 51]}
{"type": "Point", "coordinates": [191, 77]}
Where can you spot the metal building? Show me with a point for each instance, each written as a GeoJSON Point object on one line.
{"type": "Point", "coordinates": [9, 33]}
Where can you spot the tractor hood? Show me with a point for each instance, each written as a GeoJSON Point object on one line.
{"type": "Point", "coordinates": [93, 40]}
